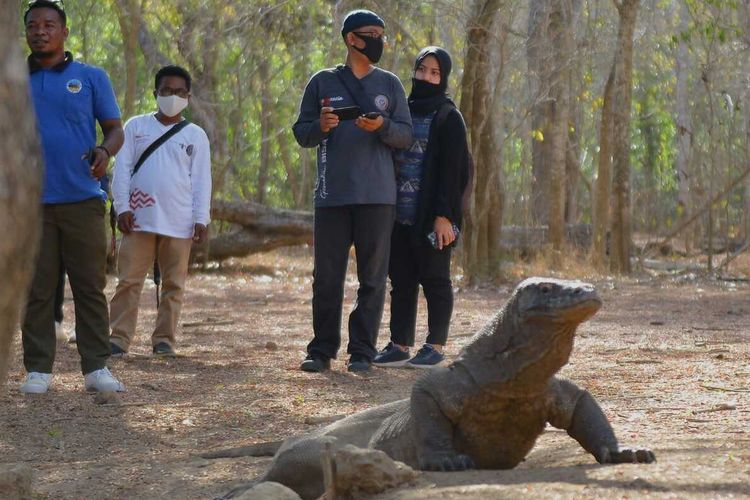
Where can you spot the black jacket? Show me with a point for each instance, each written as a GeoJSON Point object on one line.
{"type": "Point", "coordinates": [445, 172]}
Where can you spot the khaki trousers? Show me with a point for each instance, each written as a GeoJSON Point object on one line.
{"type": "Point", "coordinates": [137, 252]}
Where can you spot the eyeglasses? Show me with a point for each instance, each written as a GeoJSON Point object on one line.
{"type": "Point", "coordinates": [168, 91]}
{"type": "Point", "coordinates": [371, 34]}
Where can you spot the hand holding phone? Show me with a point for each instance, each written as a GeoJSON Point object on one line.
{"type": "Point", "coordinates": [348, 112]}
{"type": "Point", "coordinates": [98, 159]}
{"type": "Point", "coordinates": [328, 119]}
{"type": "Point", "coordinates": [370, 122]}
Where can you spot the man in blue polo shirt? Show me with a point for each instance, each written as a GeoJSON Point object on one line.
{"type": "Point", "coordinates": [69, 98]}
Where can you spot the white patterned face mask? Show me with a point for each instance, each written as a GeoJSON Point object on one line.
{"type": "Point", "coordinates": [171, 105]}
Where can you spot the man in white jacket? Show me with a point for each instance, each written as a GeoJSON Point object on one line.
{"type": "Point", "coordinates": [162, 209]}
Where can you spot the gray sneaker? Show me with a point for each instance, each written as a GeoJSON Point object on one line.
{"type": "Point", "coordinates": [102, 380]}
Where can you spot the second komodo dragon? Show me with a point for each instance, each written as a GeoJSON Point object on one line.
{"type": "Point", "coordinates": [487, 408]}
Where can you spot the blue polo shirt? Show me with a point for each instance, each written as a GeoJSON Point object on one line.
{"type": "Point", "coordinates": [69, 99]}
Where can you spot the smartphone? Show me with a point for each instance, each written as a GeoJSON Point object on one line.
{"type": "Point", "coordinates": [432, 237]}
{"type": "Point", "coordinates": [89, 156]}
{"type": "Point", "coordinates": [348, 113]}
{"type": "Point", "coordinates": [371, 115]}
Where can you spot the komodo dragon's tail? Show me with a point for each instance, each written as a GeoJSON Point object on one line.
{"type": "Point", "coordinates": [254, 450]}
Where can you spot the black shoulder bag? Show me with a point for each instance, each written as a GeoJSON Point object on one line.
{"type": "Point", "coordinates": [146, 153]}
{"type": "Point", "coordinates": [352, 85]}
{"type": "Point", "coordinates": [157, 143]}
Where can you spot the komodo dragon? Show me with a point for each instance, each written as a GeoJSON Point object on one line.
{"type": "Point", "coordinates": [487, 408]}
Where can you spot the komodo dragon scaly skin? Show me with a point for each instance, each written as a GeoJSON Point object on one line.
{"type": "Point", "coordinates": [487, 408]}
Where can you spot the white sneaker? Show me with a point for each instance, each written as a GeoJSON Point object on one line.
{"type": "Point", "coordinates": [60, 331]}
{"type": "Point", "coordinates": [72, 337]}
{"type": "Point", "coordinates": [102, 380]}
{"type": "Point", "coordinates": [36, 383]}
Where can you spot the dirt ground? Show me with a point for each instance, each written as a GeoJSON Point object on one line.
{"type": "Point", "coordinates": [667, 357]}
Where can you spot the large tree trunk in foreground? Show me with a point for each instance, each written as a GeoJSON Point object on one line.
{"type": "Point", "coordinates": [20, 178]}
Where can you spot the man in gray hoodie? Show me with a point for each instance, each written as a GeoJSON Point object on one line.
{"type": "Point", "coordinates": [355, 193]}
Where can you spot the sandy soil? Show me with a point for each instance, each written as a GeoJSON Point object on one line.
{"type": "Point", "coordinates": [668, 358]}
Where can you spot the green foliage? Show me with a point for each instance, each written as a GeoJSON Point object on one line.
{"type": "Point", "coordinates": [251, 61]}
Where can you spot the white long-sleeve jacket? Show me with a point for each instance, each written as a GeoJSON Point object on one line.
{"type": "Point", "coordinates": [171, 192]}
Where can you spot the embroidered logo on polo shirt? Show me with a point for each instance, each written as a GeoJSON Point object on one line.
{"type": "Point", "coordinates": [381, 102]}
{"type": "Point", "coordinates": [74, 86]}
{"type": "Point", "coordinates": [326, 101]}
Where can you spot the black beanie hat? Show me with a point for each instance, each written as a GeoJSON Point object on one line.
{"type": "Point", "coordinates": [358, 18]}
{"type": "Point", "coordinates": [443, 59]}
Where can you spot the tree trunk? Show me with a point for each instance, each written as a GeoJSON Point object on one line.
{"type": "Point", "coordinates": [621, 209]}
{"type": "Point", "coordinates": [265, 133]}
{"type": "Point", "coordinates": [475, 102]}
{"type": "Point", "coordinates": [539, 56]}
{"type": "Point", "coordinates": [20, 177]}
{"type": "Point", "coordinates": [573, 174]}
{"type": "Point", "coordinates": [745, 99]}
{"type": "Point", "coordinates": [549, 51]}
{"type": "Point", "coordinates": [600, 212]}
{"type": "Point", "coordinates": [684, 127]}
{"type": "Point", "coordinates": [129, 13]}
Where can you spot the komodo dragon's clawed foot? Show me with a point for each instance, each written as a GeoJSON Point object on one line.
{"type": "Point", "coordinates": [628, 456]}
{"type": "Point", "coordinates": [446, 462]}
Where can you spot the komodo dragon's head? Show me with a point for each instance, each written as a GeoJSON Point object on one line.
{"type": "Point", "coordinates": [532, 336]}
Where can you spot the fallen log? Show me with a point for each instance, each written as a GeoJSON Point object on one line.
{"type": "Point", "coordinates": [261, 228]}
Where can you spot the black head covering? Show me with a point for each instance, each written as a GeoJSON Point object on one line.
{"type": "Point", "coordinates": [424, 104]}
{"type": "Point", "coordinates": [358, 18]}
{"type": "Point", "coordinates": [443, 59]}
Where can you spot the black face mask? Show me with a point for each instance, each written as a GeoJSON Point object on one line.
{"type": "Point", "coordinates": [373, 49]}
{"type": "Point", "coordinates": [422, 89]}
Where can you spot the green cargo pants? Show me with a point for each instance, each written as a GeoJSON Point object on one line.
{"type": "Point", "coordinates": [75, 233]}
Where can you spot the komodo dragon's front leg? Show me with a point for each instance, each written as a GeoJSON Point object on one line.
{"type": "Point", "coordinates": [432, 403]}
{"type": "Point", "coordinates": [576, 411]}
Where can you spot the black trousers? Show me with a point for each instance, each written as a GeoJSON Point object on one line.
{"type": "Point", "coordinates": [336, 229]}
{"type": "Point", "coordinates": [415, 262]}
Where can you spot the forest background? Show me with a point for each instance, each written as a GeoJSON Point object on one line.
{"type": "Point", "coordinates": [625, 117]}
{"type": "Point", "coordinates": [652, 152]}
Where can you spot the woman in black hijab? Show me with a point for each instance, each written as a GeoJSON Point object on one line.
{"type": "Point", "coordinates": [431, 179]}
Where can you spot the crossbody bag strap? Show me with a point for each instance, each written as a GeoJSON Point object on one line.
{"type": "Point", "coordinates": [157, 143]}
{"type": "Point", "coordinates": [355, 88]}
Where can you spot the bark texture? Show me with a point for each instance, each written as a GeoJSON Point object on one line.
{"type": "Point", "coordinates": [549, 52]}
{"type": "Point", "coordinates": [20, 179]}
{"type": "Point", "coordinates": [623, 91]}
{"type": "Point", "coordinates": [480, 247]}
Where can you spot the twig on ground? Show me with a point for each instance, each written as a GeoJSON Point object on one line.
{"type": "Point", "coordinates": [208, 323]}
{"type": "Point", "coordinates": [721, 407]}
{"type": "Point", "coordinates": [724, 389]}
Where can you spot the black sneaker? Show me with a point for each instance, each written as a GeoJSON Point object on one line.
{"type": "Point", "coordinates": [315, 364]}
{"type": "Point", "coordinates": [117, 351]}
{"type": "Point", "coordinates": [358, 364]}
{"type": "Point", "coordinates": [163, 349]}
{"type": "Point", "coordinates": [391, 356]}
